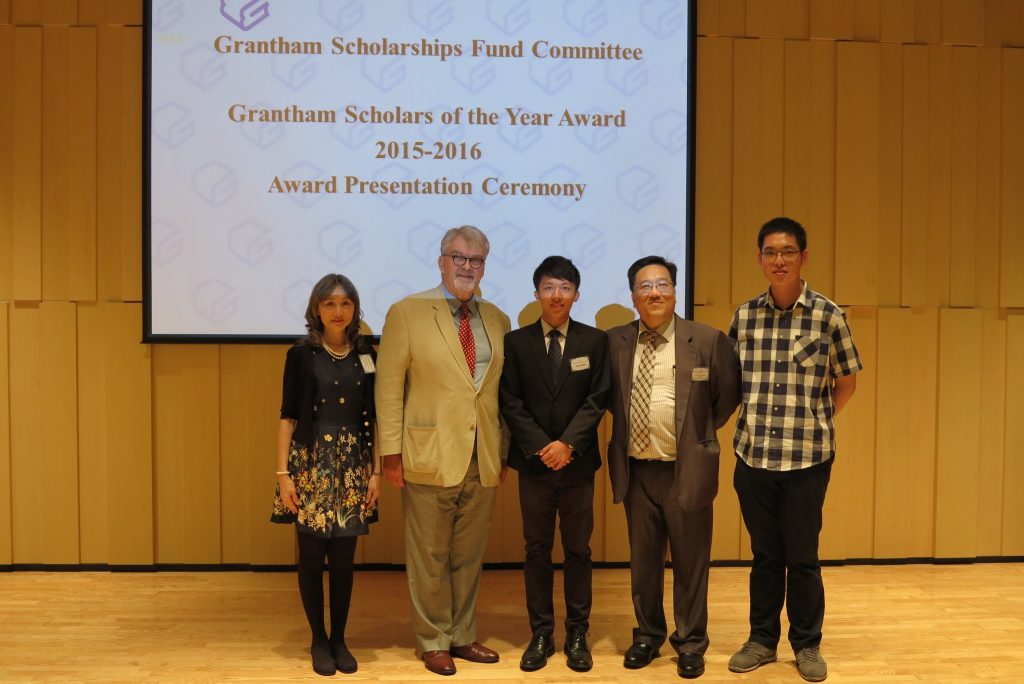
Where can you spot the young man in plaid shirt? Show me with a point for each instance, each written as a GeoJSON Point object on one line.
{"type": "Point", "coordinates": [798, 365]}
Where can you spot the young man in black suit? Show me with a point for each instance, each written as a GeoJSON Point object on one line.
{"type": "Point", "coordinates": [554, 386]}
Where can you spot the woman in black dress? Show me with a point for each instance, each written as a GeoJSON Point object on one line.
{"type": "Point", "coordinates": [328, 479]}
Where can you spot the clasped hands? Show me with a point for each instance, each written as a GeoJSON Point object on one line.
{"type": "Point", "coordinates": [556, 455]}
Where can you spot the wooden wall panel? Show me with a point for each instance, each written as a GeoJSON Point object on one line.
{"type": "Point", "coordinates": [928, 21]}
{"type": "Point", "coordinates": [5, 12]}
{"type": "Point", "coordinates": [905, 439]}
{"type": "Point", "coordinates": [890, 178]}
{"type": "Point", "coordinates": [778, 19]}
{"type": "Point", "coordinates": [958, 430]}
{"type": "Point", "coordinates": [757, 159]}
{"type": "Point", "coordinates": [867, 20]}
{"type": "Point", "coordinates": [81, 152]}
{"type": "Point", "coordinates": [26, 134]}
{"type": "Point", "coordinates": [713, 213]}
{"type": "Point", "coordinates": [1013, 465]}
{"type": "Point", "coordinates": [8, 166]}
{"type": "Point", "coordinates": [858, 241]}
{"type": "Point", "coordinates": [940, 110]}
{"type": "Point", "coordinates": [988, 180]}
{"type": "Point", "coordinates": [926, 175]}
{"type": "Point", "coordinates": [810, 153]}
{"type": "Point", "coordinates": [963, 22]}
{"type": "Point", "coordinates": [832, 19]}
{"type": "Point", "coordinates": [115, 436]}
{"type": "Point", "coordinates": [964, 178]}
{"type": "Point", "coordinates": [1011, 286]}
{"type": "Point", "coordinates": [44, 441]}
{"type": "Point", "coordinates": [250, 402]}
{"type": "Point", "coordinates": [5, 435]}
{"type": "Point", "coordinates": [992, 431]}
{"type": "Point", "coordinates": [915, 176]}
{"type": "Point", "coordinates": [97, 12]}
{"type": "Point", "coordinates": [57, 132]}
{"type": "Point", "coordinates": [722, 17]}
{"type": "Point", "coordinates": [1004, 23]}
{"type": "Point", "coordinates": [186, 443]}
{"type": "Point", "coordinates": [118, 200]}
{"type": "Point", "coordinates": [131, 158]}
{"type": "Point", "coordinates": [35, 12]}
{"type": "Point", "coordinates": [896, 21]}
{"type": "Point", "coordinates": [848, 528]}
{"type": "Point", "coordinates": [93, 451]}
{"type": "Point", "coordinates": [505, 542]}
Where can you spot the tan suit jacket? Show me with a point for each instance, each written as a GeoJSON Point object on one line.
{"type": "Point", "coordinates": [428, 408]}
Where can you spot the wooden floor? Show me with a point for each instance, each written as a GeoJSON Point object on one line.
{"type": "Point", "coordinates": [909, 623]}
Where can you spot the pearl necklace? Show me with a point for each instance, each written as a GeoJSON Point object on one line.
{"type": "Point", "coordinates": [333, 354]}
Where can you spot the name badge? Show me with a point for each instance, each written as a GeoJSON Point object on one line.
{"type": "Point", "coordinates": [700, 375]}
{"type": "Point", "coordinates": [579, 363]}
{"type": "Point", "coordinates": [367, 362]}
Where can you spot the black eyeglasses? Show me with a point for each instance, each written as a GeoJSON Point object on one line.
{"type": "Point", "coordinates": [461, 259]}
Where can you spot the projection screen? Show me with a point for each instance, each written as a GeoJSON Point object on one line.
{"type": "Point", "coordinates": [286, 140]}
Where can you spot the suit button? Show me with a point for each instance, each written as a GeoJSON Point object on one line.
{"type": "Point", "coordinates": [556, 403]}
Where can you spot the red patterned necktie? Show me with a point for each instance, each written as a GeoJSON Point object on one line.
{"type": "Point", "coordinates": [466, 338]}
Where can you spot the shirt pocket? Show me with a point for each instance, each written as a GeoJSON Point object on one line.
{"type": "Point", "coordinates": [807, 351]}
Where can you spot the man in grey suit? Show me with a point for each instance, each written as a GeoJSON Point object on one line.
{"type": "Point", "coordinates": [674, 383]}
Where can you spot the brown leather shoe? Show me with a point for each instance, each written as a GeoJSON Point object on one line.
{"type": "Point", "coordinates": [475, 653]}
{"type": "Point", "coordinates": [439, 662]}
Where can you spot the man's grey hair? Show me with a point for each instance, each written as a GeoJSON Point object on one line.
{"type": "Point", "coordinates": [470, 234]}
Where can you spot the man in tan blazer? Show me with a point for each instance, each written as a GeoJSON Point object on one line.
{"type": "Point", "coordinates": [674, 383]}
{"type": "Point", "coordinates": [442, 442]}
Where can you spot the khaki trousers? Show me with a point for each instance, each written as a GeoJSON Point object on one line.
{"type": "Point", "coordinates": [446, 532]}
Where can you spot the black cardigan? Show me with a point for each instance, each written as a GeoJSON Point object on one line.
{"type": "Point", "coordinates": [299, 392]}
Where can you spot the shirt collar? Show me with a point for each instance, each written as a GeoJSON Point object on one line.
{"type": "Point", "coordinates": [768, 302]}
{"type": "Point", "coordinates": [667, 330]}
{"type": "Point", "coordinates": [564, 328]}
{"type": "Point", "coordinates": [454, 303]}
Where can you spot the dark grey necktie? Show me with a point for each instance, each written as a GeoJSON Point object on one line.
{"type": "Point", "coordinates": [554, 354]}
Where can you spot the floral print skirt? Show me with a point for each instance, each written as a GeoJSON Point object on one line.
{"type": "Point", "coordinates": [331, 478]}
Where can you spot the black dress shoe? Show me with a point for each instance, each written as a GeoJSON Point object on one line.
{"type": "Point", "coordinates": [691, 665]}
{"type": "Point", "coordinates": [542, 646]}
{"type": "Point", "coordinates": [577, 655]}
{"type": "Point", "coordinates": [639, 655]}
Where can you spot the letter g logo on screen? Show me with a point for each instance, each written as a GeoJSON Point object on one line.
{"type": "Point", "coordinates": [245, 13]}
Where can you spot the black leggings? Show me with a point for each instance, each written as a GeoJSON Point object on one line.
{"type": "Point", "coordinates": [340, 553]}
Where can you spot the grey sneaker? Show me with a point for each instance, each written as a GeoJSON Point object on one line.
{"type": "Point", "coordinates": [751, 656]}
{"type": "Point", "coordinates": [811, 665]}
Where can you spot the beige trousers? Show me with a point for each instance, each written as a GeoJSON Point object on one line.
{"type": "Point", "coordinates": [446, 532]}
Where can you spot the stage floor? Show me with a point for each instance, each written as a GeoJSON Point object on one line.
{"type": "Point", "coordinates": [896, 623]}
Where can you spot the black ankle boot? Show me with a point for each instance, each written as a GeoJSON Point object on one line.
{"type": "Point", "coordinates": [343, 658]}
{"type": "Point", "coordinates": [323, 659]}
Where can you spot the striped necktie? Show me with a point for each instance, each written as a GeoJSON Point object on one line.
{"type": "Point", "coordinates": [640, 399]}
{"type": "Point", "coordinates": [554, 354]}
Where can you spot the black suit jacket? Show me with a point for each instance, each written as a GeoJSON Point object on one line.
{"type": "Point", "coordinates": [702, 406]}
{"type": "Point", "coordinates": [539, 409]}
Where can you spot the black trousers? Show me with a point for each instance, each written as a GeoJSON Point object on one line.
{"type": "Point", "coordinates": [656, 521]}
{"type": "Point", "coordinates": [572, 500]}
{"type": "Point", "coordinates": [782, 512]}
